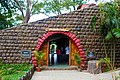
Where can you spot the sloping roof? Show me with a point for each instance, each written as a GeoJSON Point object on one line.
{"type": "Point", "coordinates": [69, 20]}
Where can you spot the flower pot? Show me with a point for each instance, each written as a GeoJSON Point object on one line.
{"type": "Point", "coordinates": [79, 69]}
{"type": "Point", "coordinates": [38, 69]}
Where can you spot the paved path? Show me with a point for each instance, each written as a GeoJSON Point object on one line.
{"type": "Point", "coordinates": [70, 75]}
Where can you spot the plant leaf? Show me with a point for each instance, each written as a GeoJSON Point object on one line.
{"type": "Point", "coordinates": [116, 32]}
{"type": "Point", "coordinates": [105, 60]}
{"type": "Point", "coordinates": [93, 22]}
{"type": "Point", "coordinates": [109, 36]}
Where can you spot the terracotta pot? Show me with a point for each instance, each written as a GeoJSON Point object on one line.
{"type": "Point", "coordinates": [44, 35]}
{"type": "Point", "coordinates": [40, 40]}
{"type": "Point", "coordinates": [82, 52]}
{"type": "Point", "coordinates": [39, 43]}
{"type": "Point", "coordinates": [70, 35]}
{"type": "Point", "coordinates": [73, 36]}
{"type": "Point", "coordinates": [34, 62]}
{"type": "Point", "coordinates": [81, 55]}
{"type": "Point", "coordinates": [38, 69]}
{"type": "Point", "coordinates": [65, 33]}
{"type": "Point", "coordinates": [47, 34]}
{"type": "Point", "coordinates": [38, 46]}
{"type": "Point", "coordinates": [33, 58]}
{"type": "Point", "coordinates": [78, 44]}
{"type": "Point", "coordinates": [74, 39]}
{"type": "Point", "coordinates": [79, 47]}
{"type": "Point", "coordinates": [43, 38]}
{"type": "Point", "coordinates": [79, 69]}
{"type": "Point", "coordinates": [77, 41]}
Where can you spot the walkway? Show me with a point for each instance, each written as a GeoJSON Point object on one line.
{"type": "Point", "coordinates": [70, 75]}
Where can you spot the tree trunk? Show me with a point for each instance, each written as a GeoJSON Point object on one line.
{"type": "Point", "coordinates": [27, 17]}
{"type": "Point", "coordinates": [20, 8]}
{"type": "Point", "coordinates": [114, 45]}
{"type": "Point", "coordinates": [74, 6]}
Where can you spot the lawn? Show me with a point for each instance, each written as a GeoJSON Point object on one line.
{"type": "Point", "coordinates": [13, 71]}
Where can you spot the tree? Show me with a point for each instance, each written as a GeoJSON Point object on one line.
{"type": "Point", "coordinates": [110, 29]}
{"type": "Point", "coordinates": [18, 11]}
{"type": "Point", "coordinates": [5, 14]}
{"type": "Point", "coordinates": [109, 24]}
{"type": "Point", "coordinates": [27, 8]}
{"type": "Point", "coordinates": [58, 6]}
{"type": "Point", "coordinates": [45, 7]}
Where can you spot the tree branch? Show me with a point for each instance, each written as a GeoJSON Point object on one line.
{"type": "Point", "coordinates": [27, 17]}
{"type": "Point", "coordinates": [34, 5]}
{"type": "Point", "coordinates": [20, 8]}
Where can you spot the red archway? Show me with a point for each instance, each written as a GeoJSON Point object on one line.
{"type": "Point", "coordinates": [66, 33]}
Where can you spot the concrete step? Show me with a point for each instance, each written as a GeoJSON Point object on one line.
{"type": "Point", "coordinates": [57, 68]}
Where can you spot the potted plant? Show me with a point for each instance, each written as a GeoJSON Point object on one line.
{"type": "Point", "coordinates": [77, 59]}
{"type": "Point", "coordinates": [39, 57]}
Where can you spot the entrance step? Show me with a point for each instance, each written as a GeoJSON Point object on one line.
{"type": "Point", "coordinates": [56, 68]}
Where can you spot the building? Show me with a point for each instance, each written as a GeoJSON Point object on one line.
{"type": "Point", "coordinates": [72, 29]}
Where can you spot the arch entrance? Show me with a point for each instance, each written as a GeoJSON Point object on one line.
{"type": "Point", "coordinates": [60, 40]}
{"type": "Point", "coordinates": [60, 46]}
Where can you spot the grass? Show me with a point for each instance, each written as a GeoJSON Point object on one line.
{"type": "Point", "coordinates": [13, 71]}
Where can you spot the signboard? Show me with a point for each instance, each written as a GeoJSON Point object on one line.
{"type": "Point", "coordinates": [26, 54]}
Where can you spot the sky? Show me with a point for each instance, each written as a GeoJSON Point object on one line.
{"type": "Point", "coordinates": [42, 16]}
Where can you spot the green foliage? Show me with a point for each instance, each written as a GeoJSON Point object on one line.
{"type": "Point", "coordinates": [5, 14]}
{"type": "Point", "coordinates": [110, 24]}
{"type": "Point", "coordinates": [39, 56]}
{"type": "Point", "coordinates": [6, 69]}
{"type": "Point", "coordinates": [37, 8]}
{"type": "Point", "coordinates": [116, 32]}
{"type": "Point", "coordinates": [105, 60]}
{"type": "Point", "coordinates": [110, 29]}
{"type": "Point", "coordinates": [13, 71]}
{"type": "Point", "coordinates": [77, 58]}
{"type": "Point", "coordinates": [57, 6]}
{"type": "Point", "coordinates": [109, 20]}
{"type": "Point", "coordinates": [14, 12]}
{"type": "Point", "coordinates": [93, 22]}
{"type": "Point", "coordinates": [13, 76]}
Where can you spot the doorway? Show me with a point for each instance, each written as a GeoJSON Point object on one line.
{"type": "Point", "coordinates": [61, 39]}
{"type": "Point", "coordinates": [58, 50]}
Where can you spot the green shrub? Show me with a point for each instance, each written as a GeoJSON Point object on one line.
{"type": "Point", "coordinates": [13, 71]}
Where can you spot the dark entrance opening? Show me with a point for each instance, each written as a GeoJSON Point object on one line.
{"type": "Point", "coordinates": [58, 50]}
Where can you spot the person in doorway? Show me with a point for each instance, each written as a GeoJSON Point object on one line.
{"type": "Point", "coordinates": [52, 54]}
{"type": "Point", "coordinates": [62, 55]}
{"type": "Point", "coordinates": [67, 53]}
{"type": "Point", "coordinates": [58, 55]}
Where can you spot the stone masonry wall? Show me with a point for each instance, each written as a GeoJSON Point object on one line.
{"type": "Point", "coordinates": [25, 36]}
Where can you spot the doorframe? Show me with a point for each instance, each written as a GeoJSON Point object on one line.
{"type": "Point", "coordinates": [70, 51]}
{"type": "Point", "coordinates": [69, 40]}
{"type": "Point", "coordinates": [67, 34]}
